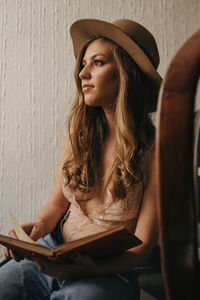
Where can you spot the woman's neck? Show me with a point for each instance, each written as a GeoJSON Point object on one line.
{"type": "Point", "coordinates": [110, 117]}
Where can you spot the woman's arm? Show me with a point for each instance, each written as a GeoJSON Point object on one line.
{"type": "Point", "coordinates": [57, 204]}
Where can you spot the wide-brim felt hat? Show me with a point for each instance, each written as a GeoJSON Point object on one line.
{"type": "Point", "coordinates": [134, 38]}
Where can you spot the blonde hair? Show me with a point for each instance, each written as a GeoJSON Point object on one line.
{"type": "Point", "coordinates": [87, 128]}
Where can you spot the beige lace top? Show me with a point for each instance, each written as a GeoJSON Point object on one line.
{"type": "Point", "coordinates": [107, 214]}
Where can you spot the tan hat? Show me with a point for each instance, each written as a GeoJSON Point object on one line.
{"type": "Point", "coordinates": [131, 36]}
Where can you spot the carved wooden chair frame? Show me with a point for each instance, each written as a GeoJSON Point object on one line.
{"type": "Point", "coordinates": [174, 174]}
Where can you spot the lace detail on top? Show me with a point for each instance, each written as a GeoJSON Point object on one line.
{"type": "Point", "coordinates": [106, 215]}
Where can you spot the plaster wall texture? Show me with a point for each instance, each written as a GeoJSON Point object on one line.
{"type": "Point", "coordinates": [37, 88]}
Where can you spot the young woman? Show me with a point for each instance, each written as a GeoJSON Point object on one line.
{"type": "Point", "coordinates": [105, 173]}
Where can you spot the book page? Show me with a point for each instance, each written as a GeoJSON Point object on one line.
{"type": "Point", "coordinates": [21, 234]}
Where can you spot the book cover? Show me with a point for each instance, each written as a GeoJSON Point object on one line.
{"type": "Point", "coordinates": [97, 245]}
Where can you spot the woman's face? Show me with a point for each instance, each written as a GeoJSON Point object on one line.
{"type": "Point", "coordinates": [99, 75]}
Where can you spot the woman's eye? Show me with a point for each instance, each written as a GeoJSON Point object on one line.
{"type": "Point", "coordinates": [98, 62]}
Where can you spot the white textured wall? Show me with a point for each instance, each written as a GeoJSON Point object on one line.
{"type": "Point", "coordinates": [36, 85]}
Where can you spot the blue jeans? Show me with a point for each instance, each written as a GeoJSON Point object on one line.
{"type": "Point", "coordinates": [22, 281]}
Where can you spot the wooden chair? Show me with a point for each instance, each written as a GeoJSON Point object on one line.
{"type": "Point", "coordinates": [177, 209]}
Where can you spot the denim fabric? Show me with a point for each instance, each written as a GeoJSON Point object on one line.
{"type": "Point", "coordinates": [22, 281]}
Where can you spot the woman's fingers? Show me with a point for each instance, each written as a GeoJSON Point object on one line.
{"type": "Point", "coordinates": [41, 263]}
{"type": "Point", "coordinates": [80, 258]}
{"type": "Point", "coordinates": [12, 234]}
{"type": "Point", "coordinates": [6, 252]}
{"type": "Point", "coordinates": [35, 233]}
{"type": "Point", "coordinates": [41, 267]}
{"type": "Point", "coordinates": [11, 253]}
{"type": "Point", "coordinates": [35, 230]}
{"type": "Point", "coordinates": [27, 227]}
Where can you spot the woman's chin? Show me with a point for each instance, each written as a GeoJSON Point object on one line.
{"type": "Point", "coordinates": [91, 103]}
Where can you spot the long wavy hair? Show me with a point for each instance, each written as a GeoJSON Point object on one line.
{"type": "Point", "coordinates": [87, 129]}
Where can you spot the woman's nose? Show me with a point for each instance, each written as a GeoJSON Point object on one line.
{"type": "Point", "coordinates": [85, 73]}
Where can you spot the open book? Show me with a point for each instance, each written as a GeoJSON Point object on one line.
{"type": "Point", "coordinates": [96, 246]}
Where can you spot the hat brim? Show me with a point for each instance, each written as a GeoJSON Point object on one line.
{"type": "Point", "coordinates": [85, 29]}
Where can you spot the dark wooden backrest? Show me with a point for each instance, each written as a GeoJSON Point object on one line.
{"type": "Point", "coordinates": [196, 170]}
{"type": "Point", "coordinates": [174, 173]}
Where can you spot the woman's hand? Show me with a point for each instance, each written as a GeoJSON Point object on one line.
{"type": "Point", "coordinates": [81, 266]}
{"type": "Point", "coordinates": [9, 253]}
{"type": "Point", "coordinates": [35, 230]}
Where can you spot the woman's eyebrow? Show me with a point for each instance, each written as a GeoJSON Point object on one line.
{"type": "Point", "coordinates": [99, 54]}
{"type": "Point", "coordinates": [93, 56]}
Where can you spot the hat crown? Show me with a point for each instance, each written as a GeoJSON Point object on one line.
{"type": "Point", "coordinates": [141, 36]}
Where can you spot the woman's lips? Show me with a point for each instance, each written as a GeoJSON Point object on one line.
{"type": "Point", "coordinates": [87, 87]}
